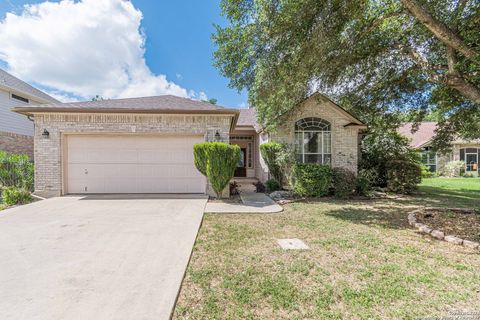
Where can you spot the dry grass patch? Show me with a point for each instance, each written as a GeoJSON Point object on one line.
{"type": "Point", "coordinates": [364, 263]}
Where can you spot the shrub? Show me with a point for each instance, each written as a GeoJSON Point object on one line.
{"type": "Point", "coordinates": [222, 158]}
{"type": "Point", "coordinates": [200, 157]}
{"type": "Point", "coordinates": [311, 179]}
{"type": "Point", "coordinates": [379, 147]}
{"type": "Point", "coordinates": [259, 187]}
{"type": "Point", "coordinates": [16, 170]}
{"type": "Point", "coordinates": [270, 152]}
{"type": "Point", "coordinates": [365, 180]}
{"type": "Point", "coordinates": [14, 195]}
{"type": "Point", "coordinates": [234, 188]}
{"type": "Point", "coordinates": [403, 176]}
{"type": "Point", "coordinates": [272, 185]}
{"type": "Point", "coordinates": [426, 173]}
{"type": "Point", "coordinates": [344, 182]}
{"type": "Point", "coordinates": [453, 169]}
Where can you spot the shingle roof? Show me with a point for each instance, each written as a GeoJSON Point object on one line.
{"type": "Point", "coordinates": [165, 103]}
{"type": "Point", "coordinates": [425, 133]}
{"type": "Point", "coordinates": [15, 84]}
{"type": "Point", "coordinates": [248, 117]}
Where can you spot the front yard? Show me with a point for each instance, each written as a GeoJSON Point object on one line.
{"type": "Point", "coordinates": [364, 262]}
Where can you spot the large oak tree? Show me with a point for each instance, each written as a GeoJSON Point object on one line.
{"type": "Point", "coordinates": [381, 59]}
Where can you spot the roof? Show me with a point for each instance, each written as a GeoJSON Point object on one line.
{"type": "Point", "coordinates": [425, 133]}
{"type": "Point", "coordinates": [155, 104]}
{"type": "Point", "coordinates": [14, 84]}
{"type": "Point", "coordinates": [248, 117]}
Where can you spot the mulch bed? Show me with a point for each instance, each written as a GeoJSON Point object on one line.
{"type": "Point", "coordinates": [461, 224]}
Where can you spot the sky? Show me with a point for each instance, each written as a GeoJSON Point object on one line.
{"type": "Point", "coordinates": [75, 50]}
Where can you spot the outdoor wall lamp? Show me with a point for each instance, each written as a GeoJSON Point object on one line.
{"type": "Point", "coordinates": [217, 136]}
{"type": "Point", "coordinates": [45, 134]}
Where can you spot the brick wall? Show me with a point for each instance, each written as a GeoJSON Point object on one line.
{"type": "Point", "coordinates": [48, 152]}
{"type": "Point", "coordinates": [344, 139]}
{"type": "Point", "coordinates": [16, 143]}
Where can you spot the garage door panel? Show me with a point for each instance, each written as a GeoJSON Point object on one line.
{"type": "Point", "coordinates": [133, 164]}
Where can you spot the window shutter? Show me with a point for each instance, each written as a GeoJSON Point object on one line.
{"type": "Point", "coordinates": [462, 154]}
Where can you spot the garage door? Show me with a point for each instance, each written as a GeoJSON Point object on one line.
{"type": "Point", "coordinates": [132, 164]}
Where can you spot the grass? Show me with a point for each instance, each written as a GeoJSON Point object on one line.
{"type": "Point", "coordinates": [454, 192]}
{"type": "Point", "coordinates": [364, 262]}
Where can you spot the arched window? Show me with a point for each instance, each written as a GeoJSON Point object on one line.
{"type": "Point", "coordinates": [313, 141]}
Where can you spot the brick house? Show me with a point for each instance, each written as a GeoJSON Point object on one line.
{"type": "Point", "coordinates": [462, 150]}
{"type": "Point", "coordinates": [144, 145]}
{"type": "Point", "coordinates": [16, 131]}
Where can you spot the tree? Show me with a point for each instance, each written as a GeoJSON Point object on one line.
{"type": "Point", "coordinates": [376, 58]}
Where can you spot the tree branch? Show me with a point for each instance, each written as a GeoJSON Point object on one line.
{"type": "Point", "coordinates": [439, 29]}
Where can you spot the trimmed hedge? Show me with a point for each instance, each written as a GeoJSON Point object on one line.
{"type": "Point", "coordinates": [219, 161]}
{"type": "Point", "coordinates": [344, 182]}
{"type": "Point", "coordinates": [200, 157]}
{"type": "Point", "coordinates": [311, 180]}
{"type": "Point", "coordinates": [403, 176]}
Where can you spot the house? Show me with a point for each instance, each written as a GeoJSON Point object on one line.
{"type": "Point", "coordinates": [144, 145]}
{"type": "Point", "coordinates": [16, 131]}
{"type": "Point", "coordinates": [462, 150]}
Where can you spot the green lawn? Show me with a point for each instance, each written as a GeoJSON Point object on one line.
{"type": "Point", "coordinates": [457, 192]}
{"type": "Point", "coordinates": [364, 262]}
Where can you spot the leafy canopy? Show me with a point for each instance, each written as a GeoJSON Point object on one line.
{"type": "Point", "coordinates": [378, 58]}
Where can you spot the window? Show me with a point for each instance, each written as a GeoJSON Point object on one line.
{"type": "Point", "coordinates": [470, 156]}
{"type": "Point", "coordinates": [429, 158]}
{"type": "Point", "coordinates": [14, 96]}
{"type": "Point", "coordinates": [313, 141]}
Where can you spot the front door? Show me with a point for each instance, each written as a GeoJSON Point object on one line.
{"type": "Point", "coordinates": [241, 170]}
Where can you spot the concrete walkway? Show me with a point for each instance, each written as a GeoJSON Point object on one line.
{"type": "Point", "coordinates": [252, 202]}
{"type": "Point", "coordinates": [96, 257]}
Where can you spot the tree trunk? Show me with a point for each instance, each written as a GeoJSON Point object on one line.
{"type": "Point", "coordinates": [440, 30]}
{"type": "Point", "coordinates": [466, 89]}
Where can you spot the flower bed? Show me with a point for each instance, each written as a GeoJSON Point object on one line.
{"type": "Point", "coordinates": [455, 225]}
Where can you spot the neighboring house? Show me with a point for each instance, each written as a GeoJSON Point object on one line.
{"type": "Point", "coordinates": [463, 150]}
{"type": "Point", "coordinates": [144, 145]}
{"type": "Point", "coordinates": [16, 131]}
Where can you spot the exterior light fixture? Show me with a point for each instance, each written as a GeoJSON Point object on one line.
{"type": "Point", "coordinates": [45, 134]}
{"type": "Point", "coordinates": [217, 136]}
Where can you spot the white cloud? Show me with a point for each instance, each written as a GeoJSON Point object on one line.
{"type": "Point", "coordinates": [81, 49]}
{"type": "Point", "coordinates": [243, 105]}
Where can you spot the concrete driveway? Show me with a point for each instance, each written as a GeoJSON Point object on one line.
{"type": "Point", "coordinates": [96, 257]}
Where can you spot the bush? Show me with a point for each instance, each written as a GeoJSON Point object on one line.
{"type": "Point", "coordinates": [13, 195]}
{"type": "Point", "coordinates": [344, 182]}
{"type": "Point", "coordinates": [272, 185]}
{"type": "Point", "coordinates": [403, 176]}
{"type": "Point", "coordinates": [200, 157]}
{"type": "Point", "coordinates": [259, 187]}
{"type": "Point", "coordinates": [222, 158]}
{"type": "Point", "coordinates": [426, 173]}
{"type": "Point", "coordinates": [453, 169]}
{"type": "Point", "coordinates": [16, 170]}
{"type": "Point", "coordinates": [270, 152]}
{"type": "Point", "coordinates": [379, 147]}
{"type": "Point", "coordinates": [311, 179]}
{"type": "Point", "coordinates": [365, 180]}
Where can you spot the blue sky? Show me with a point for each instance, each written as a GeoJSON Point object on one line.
{"type": "Point", "coordinates": [178, 45]}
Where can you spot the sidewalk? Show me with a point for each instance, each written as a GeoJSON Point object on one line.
{"type": "Point", "coordinates": [252, 202]}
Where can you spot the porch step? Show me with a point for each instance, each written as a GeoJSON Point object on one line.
{"type": "Point", "coordinates": [245, 184]}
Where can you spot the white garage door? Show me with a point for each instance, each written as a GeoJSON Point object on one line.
{"type": "Point", "coordinates": [132, 164]}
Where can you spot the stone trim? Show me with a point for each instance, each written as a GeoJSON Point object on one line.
{"type": "Point", "coordinates": [440, 235]}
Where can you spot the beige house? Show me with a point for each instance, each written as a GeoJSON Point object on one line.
{"type": "Point", "coordinates": [144, 145]}
{"type": "Point", "coordinates": [16, 131]}
{"type": "Point", "coordinates": [462, 150]}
